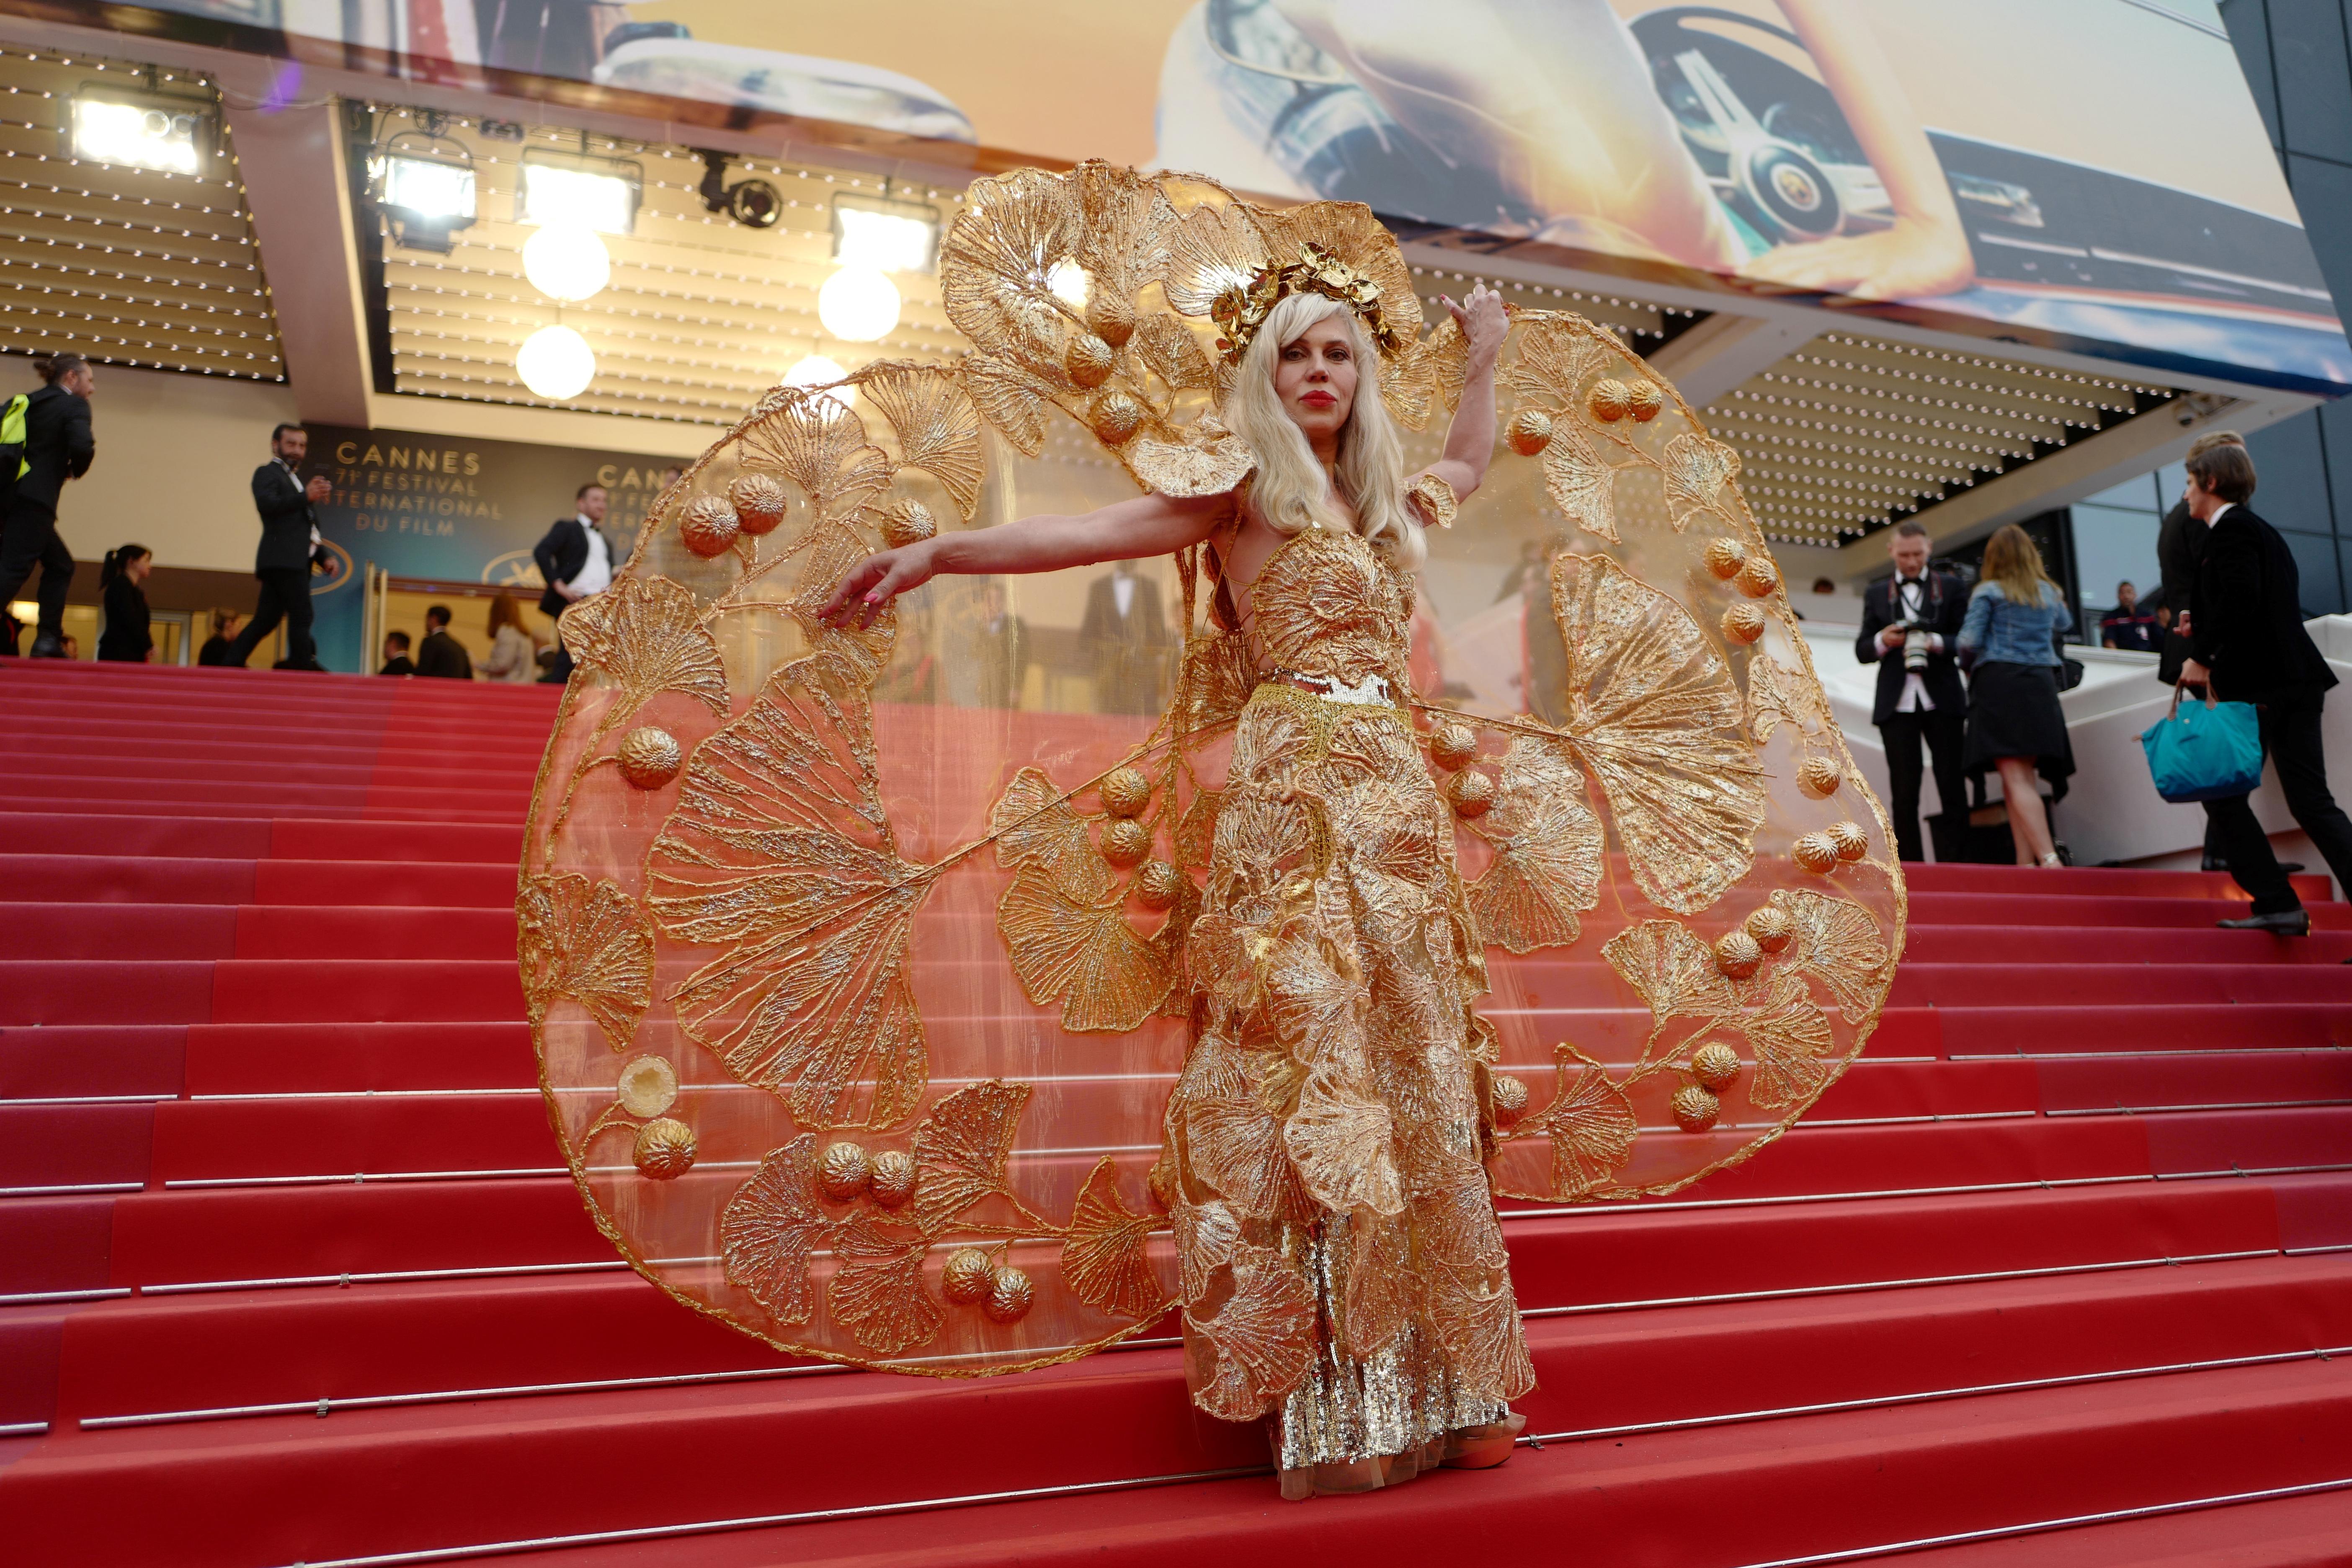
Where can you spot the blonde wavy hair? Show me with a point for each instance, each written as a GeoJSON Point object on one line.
{"type": "Point", "coordinates": [2011, 560]}
{"type": "Point", "coordinates": [1289, 491]}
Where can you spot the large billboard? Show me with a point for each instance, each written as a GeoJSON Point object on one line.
{"type": "Point", "coordinates": [2091, 174]}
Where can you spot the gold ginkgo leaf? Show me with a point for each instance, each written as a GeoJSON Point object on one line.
{"type": "Point", "coordinates": [1171, 351]}
{"type": "Point", "coordinates": [1211, 251]}
{"type": "Point", "coordinates": [1672, 970]}
{"type": "Point", "coordinates": [820, 446]}
{"type": "Point", "coordinates": [937, 428]}
{"type": "Point", "coordinates": [1210, 463]}
{"type": "Point", "coordinates": [778, 852]}
{"type": "Point", "coordinates": [1547, 862]}
{"type": "Point", "coordinates": [1697, 468]}
{"type": "Point", "coordinates": [1234, 1137]}
{"type": "Point", "coordinates": [1658, 723]}
{"type": "Point", "coordinates": [1357, 240]}
{"type": "Point", "coordinates": [1839, 941]}
{"type": "Point", "coordinates": [646, 633]}
{"type": "Point", "coordinates": [1264, 1332]}
{"type": "Point", "coordinates": [770, 1229]}
{"type": "Point", "coordinates": [1582, 483]}
{"type": "Point", "coordinates": [1591, 1125]}
{"type": "Point", "coordinates": [1220, 672]}
{"type": "Point", "coordinates": [960, 1148]}
{"type": "Point", "coordinates": [1477, 1321]}
{"type": "Point", "coordinates": [1341, 1137]}
{"type": "Point", "coordinates": [882, 1300]}
{"type": "Point", "coordinates": [1791, 1038]}
{"type": "Point", "coordinates": [588, 942]}
{"type": "Point", "coordinates": [1104, 1261]}
{"type": "Point", "coordinates": [1086, 957]}
{"type": "Point", "coordinates": [1427, 378]}
{"type": "Point", "coordinates": [1010, 398]}
{"type": "Point", "coordinates": [1552, 360]}
{"type": "Point", "coordinates": [1382, 1284]}
{"type": "Point", "coordinates": [1033, 824]}
{"type": "Point", "coordinates": [1119, 232]}
{"type": "Point", "coordinates": [997, 260]}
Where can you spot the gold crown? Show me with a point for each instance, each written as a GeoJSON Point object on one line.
{"type": "Point", "coordinates": [1242, 311]}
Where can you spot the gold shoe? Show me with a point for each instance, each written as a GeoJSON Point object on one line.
{"type": "Point", "coordinates": [1483, 1447]}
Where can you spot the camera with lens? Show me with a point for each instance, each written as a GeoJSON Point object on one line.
{"type": "Point", "coordinates": [1917, 639]}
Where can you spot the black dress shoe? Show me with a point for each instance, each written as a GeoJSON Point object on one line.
{"type": "Point", "coordinates": [47, 648]}
{"type": "Point", "coordinates": [2284, 922]}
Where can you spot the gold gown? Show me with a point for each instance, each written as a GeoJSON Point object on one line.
{"type": "Point", "coordinates": [1341, 1267]}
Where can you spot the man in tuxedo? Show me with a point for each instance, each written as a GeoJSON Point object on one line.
{"type": "Point", "coordinates": [290, 548]}
{"type": "Point", "coordinates": [58, 447]}
{"type": "Point", "coordinates": [2247, 644]}
{"type": "Point", "coordinates": [441, 655]}
{"type": "Point", "coordinates": [1124, 640]}
{"type": "Point", "coordinates": [1911, 631]}
{"type": "Point", "coordinates": [575, 562]}
{"type": "Point", "coordinates": [395, 654]}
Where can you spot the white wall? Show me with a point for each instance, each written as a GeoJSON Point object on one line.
{"type": "Point", "coordinates": [175, 469]}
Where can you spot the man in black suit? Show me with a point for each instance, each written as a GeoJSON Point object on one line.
{"type": "Point", "coordinates": [395, 654]}
{"type": "Point", "coordinates": [1911, 631]}
{"type": "Point", "coordinates": [2246, 644]}
{"type": "Point", "coordinates": [58, 447]}
{"type": "Point", "coordinates": [440, 653]}
{"type": "Point", "coordinates": [1124, 640]}
{"type": "Point", "coordinates": [288, 548]}
{"type": "Point", "coordinates": [575, 562]}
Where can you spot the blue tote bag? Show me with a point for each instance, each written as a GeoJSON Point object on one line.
{"type": "Point", "coordinates": [2207, 751]}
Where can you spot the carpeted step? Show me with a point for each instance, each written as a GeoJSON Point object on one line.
{"type": "Point", "coordinates": [105, 1060]}
{"type": "Point", "coordinates": [2310, 1530]}
{"type": "Point", "coordinates": [60, 1148]}
{"type": "Point", "coordinates": [2041, 909]}
{"type": "Point", "coordinates": [2116, 946]}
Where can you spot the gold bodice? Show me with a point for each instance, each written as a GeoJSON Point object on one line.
{"type": "Point", "coordinates": [1329, 605]}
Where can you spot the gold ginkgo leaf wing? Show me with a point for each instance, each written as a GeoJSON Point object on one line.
{"type": "Point", "coordinates": [1548, 866]}
{"type": "Point", "coordinates": [962, 1150]}
{"type": "Point", "coordinates": [590, 943]}
{"type": "Point", "coordinates": [648, 634]}
{"type": "Point", "coordinates": [1658, 722]}
{"type": "Point", "coordinates": [1104, 1258]}
{"type": "Point", "coordinates": [1086, 957]}
{"type": "Point", "coordinates": [937, 426]}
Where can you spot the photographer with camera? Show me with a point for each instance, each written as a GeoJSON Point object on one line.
{"type": "Point", "coordinates": [1910, 630]}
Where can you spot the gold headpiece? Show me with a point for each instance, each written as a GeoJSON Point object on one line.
{"type": "Point", "coordinates": [1242, 311]}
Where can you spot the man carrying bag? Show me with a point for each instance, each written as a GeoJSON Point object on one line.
{"type": "Point", "coordinates": [2247, 644]}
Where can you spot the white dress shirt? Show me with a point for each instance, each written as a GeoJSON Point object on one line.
{"type": "Point", "coordinates": [595, 575]}
{"type": "Point", "coordinates": [1910, 600]}
{"type": "Point", "coordinates": [1122, 593]}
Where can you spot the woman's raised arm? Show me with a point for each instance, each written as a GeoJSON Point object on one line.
{"type": "Point", "coordinates": [1470, 440]}
{"type": "Point", "coordinates": [1123, 530]}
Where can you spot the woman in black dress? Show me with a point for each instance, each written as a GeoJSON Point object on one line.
{"type": "Point", "coordinates": [128, 638]}
{"type": "Point", "coordinates": [2016, 626]}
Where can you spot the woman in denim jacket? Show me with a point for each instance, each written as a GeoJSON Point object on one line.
{"type": "Point", "coordinates": [2016, 624]}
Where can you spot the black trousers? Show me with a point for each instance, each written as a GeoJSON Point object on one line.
{"type": "Point", "coordinates": [2291, 735]}
{"type": "Point", "coordinates": [285, 596]}
{"type": "Point", "coordinates": [1946, 735]}
{"type": "Point", "coordinates": [29, 539]}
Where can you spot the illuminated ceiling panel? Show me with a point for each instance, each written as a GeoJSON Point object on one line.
{"type": "Point", "coordinates": [120, 264]}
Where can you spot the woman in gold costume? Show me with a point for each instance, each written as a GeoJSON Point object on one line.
{"type": "Point", "coordinates": [1324, 1144]}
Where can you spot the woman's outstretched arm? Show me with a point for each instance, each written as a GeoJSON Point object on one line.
{"type": "Point", "coordinates": [1123, 530]}
{"type": "Point", "coordinates": [1470, 440]}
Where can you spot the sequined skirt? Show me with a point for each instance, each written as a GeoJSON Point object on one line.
{"type": "Point", "coordinates": [1343, 1268]}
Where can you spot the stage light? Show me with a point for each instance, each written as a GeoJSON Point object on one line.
{"type": "Point", "coordinates": [887, 236]}
{"type": "Point", "coordinates": [565, 261]}
{"type": "Point", "coordinates": [816, 371]}
{"type": "Point", "coordinates": [556, 364]}
{"type": "Point", "coordinates": [601, 194]}
{"type": "Point", "coordinates": [858, 304]}
{"type": "Point", "coordinates": [425, 183]}
{"type": "Point", "coordinates": [141, 131]}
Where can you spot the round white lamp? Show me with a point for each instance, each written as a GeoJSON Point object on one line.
{"type": "Point", "coordinates": [816, 371]}
{"type": "Point", "coordinates": [858, 304]}
{"type": "Point", "coordinates": [566, 261]}
{"type": "Point", "coordinates": [556, 364]}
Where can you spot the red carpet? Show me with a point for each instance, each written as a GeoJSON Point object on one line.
{"type": "Point", "coordinates": [289, 1270]}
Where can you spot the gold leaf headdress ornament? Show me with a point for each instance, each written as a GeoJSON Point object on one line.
{"type": "Point", "coordinates": [1242, 311]}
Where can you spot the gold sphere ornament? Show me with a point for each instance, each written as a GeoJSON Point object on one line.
{"type": "Point", "coordinates": [1089, 361]}
{"type": "Point", "coordinates": [665, 1149]}
{"type": "Point", "coordinates": [1454, 746]}
{"type": "Point", "coordinates": [1009, 1296]}
{"type": "Point", "coordinates": [1159, 884]}
{"type": "Point", "coordinates": [1643, 400]}
{"type": "Point", "coordinates": [907, 522]}
{"type": "Point", "coordinates": [760, 503]}
{"type": "Point", "coordinates": [1736, 953]}
{"type": "Point", "coordinates": [1126, 842]}
{"type": "Point", "coordinates": [842, 1172]}
{"type": "Point", "coordinates": [1771, 926]}
{"type": "Point", "coordinates": [1758, 577]}
{"type": "Point", "coordinates": [648, 1086]}
{"type": "Point", "coordinates": [1725, 557]}
{"type": "Point", "coordinates": [1850, 841]}
{"type": "Point", "coordinates": [1714, 1064]}
{"type": "Point", "coordinates": [709, 526]}
{"type": "Point", "coordinates": [1510, 1096]}
{"type": "Point", "coordinates": [649, 757]}
{"type": "Point", "coordinates": [1696, 1108]}
{"type": "Point", "coordinates": [1529, 431]}
{"type": "Point", "coordinates": [1470, 792]}
{"type": "Point", "coordinates": [1815, 852]}
{"type": "Point", "coordinates": [967, 1278]}
{"type": "Point", "coordinates": [1111, 318]}
{"type": "Point", "coordinates": [1125, 792]}
{"type": "Point", "coordinates": [1819, 777]}
{"type": "Point", "coordinates": [1743, 624]}
{"type": "Point", "coordinates": [1116, 418]}
{"type": "Point", "coordinates": [891, 1178]}
{"type": "Point", "coordinates": [1608, 401]}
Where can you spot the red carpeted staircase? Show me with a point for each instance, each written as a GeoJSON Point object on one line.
{"type": "Point", "coordinates": [291, 1270]}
